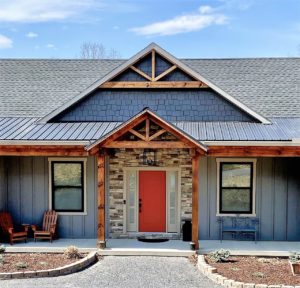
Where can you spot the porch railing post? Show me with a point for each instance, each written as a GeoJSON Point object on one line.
{"type": "Point", "coordinates": [101, 200]}
{"type": "Point", "coordinates": [195, 199]}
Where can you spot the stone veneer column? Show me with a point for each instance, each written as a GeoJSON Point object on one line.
{"type": "Point", "coordinates": [179, 158]}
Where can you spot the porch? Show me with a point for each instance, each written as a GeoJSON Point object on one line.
{"type": "Point", "coordinates": [131, 247]}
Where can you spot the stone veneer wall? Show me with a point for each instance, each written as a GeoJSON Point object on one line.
{"type": "Point", "coordinates": [131, 158]}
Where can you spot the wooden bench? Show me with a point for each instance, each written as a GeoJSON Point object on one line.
{"type": "Point", "coordinates": [238, 226]}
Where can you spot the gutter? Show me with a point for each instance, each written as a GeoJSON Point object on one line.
{"type": "Point", "coordinates": [294, 142]}
{"type": "Point", "coordinates": [46, 143]}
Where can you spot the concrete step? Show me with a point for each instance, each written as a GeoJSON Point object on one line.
{"type": "Point", "coordinates": [145, 252]}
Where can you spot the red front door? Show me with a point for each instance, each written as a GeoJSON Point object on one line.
{"type": "Point", "coordinates": [152, 201]}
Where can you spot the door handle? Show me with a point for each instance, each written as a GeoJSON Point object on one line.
{"type": "Point", "coordinates": [140, 205]}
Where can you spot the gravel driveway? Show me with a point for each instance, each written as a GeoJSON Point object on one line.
{"type": "Point", "coordinates": [124, 272]}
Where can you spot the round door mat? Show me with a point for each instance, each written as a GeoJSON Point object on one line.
{"type": "Point", "coordinates": [152, 240]}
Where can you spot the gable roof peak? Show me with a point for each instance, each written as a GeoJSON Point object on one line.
{"type": "Point", "coordinates": [178, 63]}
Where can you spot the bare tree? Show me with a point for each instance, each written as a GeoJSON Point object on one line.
{"type": "Point", "coordinates": [95, 50]}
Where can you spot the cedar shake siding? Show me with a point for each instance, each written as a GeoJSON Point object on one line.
{"type": "Point", "coordinates": [172, 105]}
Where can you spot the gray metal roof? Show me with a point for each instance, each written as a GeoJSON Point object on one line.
{"type": "Point", "coordinates": [34, 88]}
{"type": "Point", "coordinates": [26, 129]}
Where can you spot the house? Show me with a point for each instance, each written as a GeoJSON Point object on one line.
{"type": "Point", "coordinates": [122, 148]}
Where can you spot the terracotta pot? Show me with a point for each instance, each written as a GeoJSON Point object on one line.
{"type": "Point", "coordinates": [295, 268]}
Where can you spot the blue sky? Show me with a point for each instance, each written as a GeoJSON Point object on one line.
{"type": "Point", "coordinates": [186, 28]}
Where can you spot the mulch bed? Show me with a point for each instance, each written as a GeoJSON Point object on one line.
{"type": "Point", "coordinates": [16, 262]}
{"type": "Point", "coordinates": [258, 270]}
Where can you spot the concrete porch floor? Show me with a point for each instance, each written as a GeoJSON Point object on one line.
{"type": "Point", "coordinates": [115, 247]}
{"type": "Point", "coordinates": [126, 247]}
{"type": "Point", "coordinates": [261, 248]}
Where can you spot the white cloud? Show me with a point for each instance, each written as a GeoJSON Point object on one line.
{"type": "Point", "coordinates": [51, 46]}
{"type": "Point", "coordinates": [31, 35]}
{"type": "Point", "coordinates": [5, 42]}
{"type": "Point", "coordinates": [44, 10]}
{"type": "Point", "coordinates": [204, 17]}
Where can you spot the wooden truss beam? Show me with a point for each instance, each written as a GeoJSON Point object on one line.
{"type": "Point", "coordinates": [42, 150]}
{"type": "Point", "coordinates": [140, 72]}
{"type": "Point", "coordinates": [147, 144]}
{"type": "Point", "coordinates": [153, 64]}
{"type": "Point", "coordinates": [168, 71]}
{"type": "Point", "coordinates": [155, 84]}
{"type": "Point", "coordinates": [137, 134]}
{"type": "Point", "coordinates": [254, 151]}
{"type": "Point", "coordinates": [162, 131]}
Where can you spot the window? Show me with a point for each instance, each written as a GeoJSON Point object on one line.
{"type": "Point", "coordinates": [67, 186]}
{"type": "Point", "coordinates": [236, 187]}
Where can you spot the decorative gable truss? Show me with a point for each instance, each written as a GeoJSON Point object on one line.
{"type": "Point", "coordinates": [153, 71]}
{"type": "Point", "coordinates": [147, 130]}
{"type": "Point", "coordinates": [153, 67]}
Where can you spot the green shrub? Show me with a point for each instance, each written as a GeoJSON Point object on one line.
{"type": "Point", "coordinates": [220, 255]}
{"type": "Point", "coordinates": [1, 259]}
{"type": "Point", "coordinates": [294, 257]}
{"type": "Point", "coordinates": [259, 275]}
{"type": "Point", "coordinates": [21, 265]}
{"type": "Point", "coordinates": [72, 252]}
{"type": "Point", "coordinates": [2, 249]}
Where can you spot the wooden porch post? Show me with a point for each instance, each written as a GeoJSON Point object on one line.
{"type": "Point", "coordinates": [195, 199]}
{"type": "Point", "coordinates": [101, 200]}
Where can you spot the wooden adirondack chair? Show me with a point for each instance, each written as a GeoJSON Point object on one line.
{"type": "Point", "coordinates": [49, 226]}
{"type": "Point", "coordinates": [7, 227]}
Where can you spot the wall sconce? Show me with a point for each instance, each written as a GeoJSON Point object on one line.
{"type": "Point", "coordinates": [149, 157]}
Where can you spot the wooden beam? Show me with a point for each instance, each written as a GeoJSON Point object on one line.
{"type": "Point", "coordinates": [101, 200]}
{"type": "Point", "coordinates": [150, 84]}
{"type": "Point", "coordinates": [176, 133]}
{"type": "Point", "coordinates": [42, 150]}
{"type": "Point", "coordinates": [145, 144]}
{"type": "Point", "coordinates": [124, 129]}
{"type": "Point", "coordinates": [141, 73]}
{"type": "Point", "coordinates": [162, 131]}
{"type": "Point", "coordinates": [147, 129]}
{"type": "Point", "coordinates": [168, 71]}
{"type": "Point", "coordinates": [153, 65]}
{"type": "Point", "coordinates": [137, 134]}
{"type": "Point", "coordinates": [254, 151]}
{"type": "Point", "coordinates": [195, 200]}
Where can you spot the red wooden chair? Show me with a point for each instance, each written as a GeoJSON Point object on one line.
{"type": "Point", "coordinates": [7, 227]}
{"type": "Point", "coordinates": [49, 227]}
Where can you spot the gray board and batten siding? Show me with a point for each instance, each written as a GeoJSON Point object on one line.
{"type": "Point", "coordinates": [24, 186]}
{"type": "Point", "coordinates": [277, 199]}
{"type": "Point", "coordinates": [172, 105]}
{"type": "Point", "coordinates": [24, 192]}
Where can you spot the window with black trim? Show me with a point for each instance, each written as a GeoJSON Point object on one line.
{"type": "Point", "coordinates": [236, 188]}
{"type": "Point", "coordinates": [67, 183]}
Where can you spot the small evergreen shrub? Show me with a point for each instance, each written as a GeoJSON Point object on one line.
{"type": "Point", "coordinates": [220, 255]}
{"type": "Point", "coordinates": [259, 275]}
{"type": "Point", "coordinates": [72, 252]}
{"type": "Point", "coordinates": [2, 249]}
{"type": "Point", "coordinates": [294, 257]}
{"type": "Point", "coordinates": [21, 265]}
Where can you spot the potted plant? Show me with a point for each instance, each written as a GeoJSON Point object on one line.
{"type": "Point", "coordinates": [295, 263]}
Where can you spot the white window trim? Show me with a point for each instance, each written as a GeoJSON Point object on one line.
{"type": "Point", "coordinates": [238, 160]}
{"type": "Point", "coordinates": [84, 160]}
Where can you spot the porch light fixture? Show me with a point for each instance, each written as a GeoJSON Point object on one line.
{"type": "Point", "coordinates": [149, 157]}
